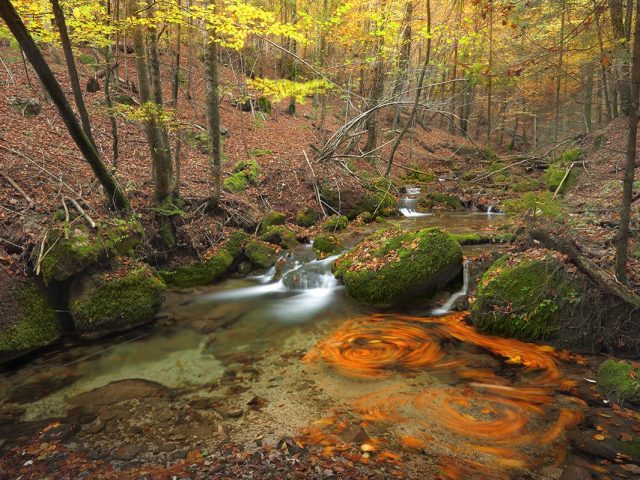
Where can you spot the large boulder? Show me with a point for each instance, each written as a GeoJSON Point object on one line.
{"type": "Point", "coordinates": [619, 381]}
{"type": "Point", "coordinates": [390, 266]}
{"type": "Point", "coordinates": [526, 297]}
{"type": "Point", "coordinates": [27, 319]}
{"type": "Point", "coordinates": [68, 253]}
{"type": "Point", "coordinates": [125, 296]}
{"type": "Point", "coordinates": [376, 196]}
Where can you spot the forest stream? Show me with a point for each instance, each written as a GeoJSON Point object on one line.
{"type": "Point", "coordinates": [287, 359]}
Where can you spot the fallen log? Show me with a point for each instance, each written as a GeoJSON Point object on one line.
{"type": "Point", "coordinates": [605, 280]}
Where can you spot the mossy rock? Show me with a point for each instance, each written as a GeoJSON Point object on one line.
{"type": "Point", "coordinates": [250, 169]}
{"type": "Point", "coordinates": [554, 176]}
{"type": "Point", "coordinates": [66, 257]}
{"type": "Point", "coordinates": [619, 381]}
{"type": "Point", "coordinates": [530, 185]}
{"type": "Point", "coordinates": [325, 245]}
{"type": "Point", "coordinates": [260, 254]}
{"type": "Point", "coordinates": [335, 223]}
{"type": "Point", "coordinates": [440, 201]}
{"type": "Point", "coordinates": [236, 243]}
{"type": "Point", "coordinates": [376, 198]}
{"type": "Point", "coordinates": [482, 238]}
{"type": "Point", "coordinates": [27, 319]}
{"type": "Point", "coordinates": [125, 296]}
{"type": "Point", "coordinates": [271, 219]}
{"type": "Point", "coordinates": [391, 265]}
{"type": "Point", "coordinates": [200, 273]}
{"type": "Point", "coordinates": [307, 217]}
{"type": "Point", "coordinates": [280, 235]}
{"type": "Point", "coordinates": [235, 183]}
{"type": "Point", "coordinates": [524, 298]}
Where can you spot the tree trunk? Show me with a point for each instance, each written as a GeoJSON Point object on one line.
{"type": "Point", "coordinates": [115, 195]}
{"type": "Point", "coordinates": [403, 63]}
{"type": "Point", "coordinates": [213, 115]}
{"type": "Point", "coordinates": [376, 95]}
{"type": "Point", "coordinates": [587, 99]}
{"type": "Point", "coordinates": [621, 54]}
{"type": "Point", "coordinates": [556, 123]}
{"type": "Point", "coordinates": [490, 74]}
{"type": "Point", "coordinates": [61, 25]}
{"type": "Point", "coordinates": [622, 240]}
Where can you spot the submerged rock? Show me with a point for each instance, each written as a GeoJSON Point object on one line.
{"type": "Point", "coordinates": [127, 295]}
{"type": "Point", "coordinates": [120, 391]}
{"type": "Point", "coordinates": [27, 319]}
{"type": "Point", "coordinates": [390, 265]}
{"type": "Point", "coordinates": [619, 381]}
{"type": "Point", "coordinates": [525, 297]}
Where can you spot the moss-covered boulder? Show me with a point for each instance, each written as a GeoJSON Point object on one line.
{"type": "Point", "coordinates": [391, 265]}
{"type": "Point", "coordinates": [280, 235]}
{"type": "Point", "coordinates": [619, 381]}
{"type": "Point", "coordinates": [440, 201]}
{"type": "Point", "coordinates": [125, 296]}
{"type": "Point", "coordinates": [307, 217]}
{"type": "Point", "coordinates": [245, 173]}
{"type": "Point", "coordinates": [335, 223]}
{"type": "Point", "coordinates": [557, 171]}
{"type": "Point", "coordinates": [376, 197]}
{"type": "Point", "coordinates": [69, 252]}
{"type": "Point", "coordinates": [525, 297]}
{"type": "Point", "coordinates": [325, 245]}
{"type": "Point", "coordinates": [271, 219]}
{"type": "Point", "coordinates": [27, 319]}
{"type": "Point", "coordinates": [235, 183]}
{"type": "Point", "coordinates": [260, 254]}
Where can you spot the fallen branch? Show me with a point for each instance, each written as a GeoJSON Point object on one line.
{"type": "Point", "coordinates": [315, 184]}
{"type": "Point", "coordinates": [588, 267]}
{"type": "Point", "coordinates": [17, 187]}
{"type": "Point", "coordinates": [82, 212]}
{"type": "Point", "coordinates": [564, 179]}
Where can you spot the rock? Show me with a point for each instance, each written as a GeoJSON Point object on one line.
{"type": "Point", "coordinates": [120, 391]}
{"type": "Point", "coordinates": [209, 270]}
{"type": "Point", "coordinates": [126, 452]}
{"type": "Point", "coordinates": [27, 318]}
{"type": "Point", "coordinates": [335, 223]}
{"type": "Point", "coordinates": [96, 427]}
{"type": "Point", "coordinates": [245, 173]}
{"type": "Point", "coordinates": [631, 468]}
{"type": "Point", "coordinates": [355, 434]}
{"type": "Point", "coordinates": [166, 447]}
{"type": "Point", "coordinates": [127, 295]}
{"type": "Point", "coordinates": [271, 219]}
{"type": "Point", "coordinates": [505, 304]}
{"type": "Point", "coordinates": [619, 381]}
{"type": "Point", "coordinates": [261, 254]}
{"type": "Point", "coordinates": [280, 235]}
{"type": "Point", "coordinates": [583, 442]}
{"type": "Point", "coordinates": [575, 472]}
{"type": "Point", "coordinates": [325, 245]}
{"type": "Point", "coordinates": [374, 197]}
{"type": "Point", "coordinates": [232, 413]}
{"type": "Point", "coordinates": [25, 106]}
{"type": "Point", "coordinates": [307, 217]}
{"type": "Point", "coordinates": [391, 265]}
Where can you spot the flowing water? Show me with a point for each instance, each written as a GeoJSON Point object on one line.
{"type": "Point", "coordinates": [313, 364]}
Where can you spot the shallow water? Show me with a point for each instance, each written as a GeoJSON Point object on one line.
{"type": "Point", "coordinates": [315, 355]}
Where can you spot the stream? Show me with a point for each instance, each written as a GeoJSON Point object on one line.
{"type": "Point", "coordinates": [288, 354]}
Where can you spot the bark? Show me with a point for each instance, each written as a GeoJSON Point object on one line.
{"type": "Point", "coordinates": [213, 115]}
{"type": "Point", "coordinates": [603, 69]}
{"type": "Point", "coordinates": [115, 195]}
{"type": "Point", "coordinates": [403, 63]}
{"type": "Point", "coordinates": [414, 110]}
{"type": "Point", "coordinates": [621, 54]}
{"type": "Point", "coordinates": [622, 240]}
{"type": "Point", "coordinates": [585, 265]}
{"type": "Point", "coordinates": [376, 95]}
{"type": "Point", "coordinates": [556, 123]}
{"type": "Point", "coordinates": [587, 100]}
{"type": "Point", "coordinates": [61, 25]}
{"type": "Point", "coordinates": [490, 73]}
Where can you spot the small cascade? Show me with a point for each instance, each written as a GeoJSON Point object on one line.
{"type": "Point", "coordinates": [409, 202]}
{"type": "Point", "coordinates": [490, 210]}
{"type": "Point", "coordinates": [446, 308]}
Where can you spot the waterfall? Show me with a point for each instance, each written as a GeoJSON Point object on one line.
{"type": "Point", "coordinates": [446, 308]}
{"type": "Point", "coordinates": [409, 202]}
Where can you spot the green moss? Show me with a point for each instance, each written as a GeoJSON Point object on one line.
{"type": "Point", "coordinates": [536, 204]}
{"type": "Point", "coordinates": [236, 242]}
{"type": "Point", "coordinates": [417, 176]}
{"type": "Point", "coordinates": [250, 169]}
{"type": "Point", "coordinates": [335, 223]}
{"type": "Point", "coordinates": [376, 201]}
{"type": "Point", "coordinates": [619, 381]}
{"type": "Point", "coordinates": [65, 258]}
{"type": "Point", "coordinates": [440, 200]}
{"type": "Point", "coordinates": [525, 300]}
{"type": "Point", "coordinates": [481, 238]}
{"type": "Point", "coordinates": [500, 178]}
{"type": "Point", "coordinates": [554, 176]}
{"type": "Point", "coordinates": [421, 261]}
{"type": "Point", "coordinates": [325, 245]}
{"type": "Point", "coordinates": [271, 219]}
{"type": "Point", "coordinates": [28, 320]}
{"type": "Point", "coordinates": [570, 156]}
{"type": "Point", "coordinates": [259, 152]}
{"type": "Point", "coordinates": [307, 217]}
{"type": "Point", "coordinates": [630, 448]}
{"type": "Point", "coordinates": [260, 254]}
{"type": "Point", "coordinates": [235, 183]}
{"type": "Point", "coordinates": [527, 185]}
{"type": "Point", "coordinates": [115, 300]}
{"type": "Point", "coordinates": [280, 235]}
{"type": "Point", "coordinates": [87, 59]}
{"type": "Point", "coordinates": [199, 273]}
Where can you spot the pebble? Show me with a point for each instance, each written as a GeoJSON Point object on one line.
{"type": "Point", "coordinates": [95, 427]}
{"type": "Point", "coordinates": [126, 452]}
{"type": "Point", "coordinates": [233, 413]}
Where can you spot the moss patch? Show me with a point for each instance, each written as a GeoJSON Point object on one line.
{"type": "Point", "coordinates": [335, 223]}
{"type": "Point", "coordinates": [524, 298]}
{"type": "Point", "coordinates": [236, 183]}
{"type": "Point", "coordinates": [280, 235]}
{"type": "Point", "coordinates": [390, 265]}
{"type": "Point", "coordinates": [440, 201]}
{"type": "Point", "coordinates": [481, 238]}
{"type": "Point", "coordinates": [260, 254]}
{"type": "Point", "coordinates": [325, 245]}
{"type": "Point", "coordinates": [271, 219]}
{"type": "Point", "coordinates": [125, 296]}
{"type": "Point", "coordinates": [619, 381]}
{"type": "Point", "coordinates": [28, 321]}
{"type": "Point", "coordinates": [307, 217]}
{"type": "Point", "coordinates": [200, 273]}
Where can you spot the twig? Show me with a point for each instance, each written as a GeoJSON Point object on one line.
{"type": "Point", "coordinates": [315, 184]}
{"type": "Point", "coordinates": [17, 187]}
{"type": "Point", "coordinates": [41, 253]}
{"type": "Point", "coordinates": [83, 213]}
{"type": "Point", "coordinates": [8, 71]}
{"type": "Point", "coordinates": [566, 175]}
{"type": "Point", "coordinates": [66, 224]}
